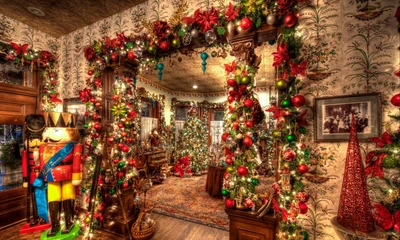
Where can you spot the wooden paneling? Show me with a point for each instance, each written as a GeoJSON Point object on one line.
{"type": "Point", "coordinates": [12, 206]}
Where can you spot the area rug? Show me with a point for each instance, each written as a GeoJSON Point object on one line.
{"type": "Point", "coordinates": [186, 198]}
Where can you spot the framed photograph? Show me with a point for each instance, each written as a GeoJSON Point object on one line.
{"type": "Point", "coordinates": [333, 117]}
{"type": "Point", "coordinates": [75, 105]}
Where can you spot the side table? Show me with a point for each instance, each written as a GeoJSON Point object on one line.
{"type": "Point", "coordinates": [215, 177]}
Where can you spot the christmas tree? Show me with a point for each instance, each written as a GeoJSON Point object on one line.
{"type": "Point", "coordinates": [355, 206]}
{"type": "Point", "coordinates": [193, 141]}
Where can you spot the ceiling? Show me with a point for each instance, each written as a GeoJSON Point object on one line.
{"type": "Point", "coordinates": [181, 76]}
{"type": "Point", "coordinates": [63, 16]}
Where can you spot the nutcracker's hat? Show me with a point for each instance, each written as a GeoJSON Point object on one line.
{"type": "Point", "coordinates": [60, 119]}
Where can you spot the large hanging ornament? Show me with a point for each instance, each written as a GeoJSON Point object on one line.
{"type": "Point", "coordinates": [245, 23]}
{"type": "Point", "coordinates": [176, 42]}
{"type": "Point", "coordinates": [160, 67]}
{"type": "Point", "coordinates": [281, 85]}
{"type": "Point", "coordinates": [289, 155]}
{"type": "Point", "coordinates": [395, 100]}
{"type": "Point", "coordinates": [204, 57]}
{"type": "Point", "coordinates": [290, 20]}
{"type": "Point", "coordinates": [210, 36]}
{"type": "Point", "coordinates": [298, 100]}
{"type": "Point", "coordinates": [271, 19]}
{"type": "Point", "coordinates": [164, 45]}
{"type": "Point", "coordinates": [194, 33]}
{"type": "Point", "coordinates": [242, 170]}
{"type": "Point", "coordinates": [302, 168]}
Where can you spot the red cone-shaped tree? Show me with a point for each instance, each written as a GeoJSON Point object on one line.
{"type": "Point", "coordinates": [355, 207]}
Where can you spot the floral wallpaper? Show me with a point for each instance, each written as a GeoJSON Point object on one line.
{"type": "Point", "coordinates": [15, 31]}
{"type": "Point", "coordinates": [352, 48]}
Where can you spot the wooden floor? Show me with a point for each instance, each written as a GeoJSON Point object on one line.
{"type": "Point", "coordinates": [167, 228]}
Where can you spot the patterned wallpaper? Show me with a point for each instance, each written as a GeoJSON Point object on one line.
{"type": "Point", "coordinates": [12, 30]}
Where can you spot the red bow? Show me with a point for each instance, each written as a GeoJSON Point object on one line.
{"type": "Point", "coordinates": [46, 57]}
{"type": "Point", "coordinates": [84, 95]}
{"type": "Point", "coordinates": [160, 29]}
{"type": "Point", "coordinates": [299, 68]}
{"type": "Point", "coordinates": [18, 49]}
{"type": "Point", "coordinates": [384, 219]}
{"type": "Point", "coordinates": [230, 68]}
{"type": "Point", "coordinates": [122, 37]}
{"type": "Point", "coordinates": [207, 19]}
{"type": "Point", "coordinates": [278, 113]}
{"type": "Point", "coordinates": [54, 98]}
{"type": "Point", "coordinates": [281, 55]}
{"type": "Point", "coordinates": [231, 13]}
{"type": "Point", "coordinates": [374, 162]}
{"type": "Point", "coordinates": [383, 140]}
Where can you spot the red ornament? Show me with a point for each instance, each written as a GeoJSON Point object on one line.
{"type": "Point", "coordinates": [298, 100]}
{"type": "Point", "coordinates": [229, 203]}
{"type": "Point", "coordinates": [302, 168]}
{"type": "Point", "coordinates": [124, 134]}
{"type": "Point", "coordinates": [235, 125]}
{"type": "Point", "coordinates": [95, 116]}
{"type": "Point", "coordinates": [98, 105]}
{"type": "Point", "coordinates": [164, 45]}
{"type": "Point", "coordinates": [120, 174]}
{"type": "Point", "coordinates": [290, 20]}
{"type": "Point", "coordinates": [224, 136]}
{"type": "Point", "coordinates": [242, 170]}
{"type": "Point", "coordinates": [125, 148]}
{"type": "Point", "coordinates": [132, 162]}
{"type": "Point", "coordinates": [231, 99]}
{"type": "Point", "coordinates": [131, 55]}
{"type": "Point", "coordinates": [245, 23]}
{"type": "Point", "coordinates": [248, 103]}
{"type": "Point", "coordinates": [125, 185]}
{"type": "Point", "coordinates": [288, 155]}
{"type": "Point", "coordinates": [247, 141]}
{"type": "Point", "coordinates": [114, 56]}
{"type": "Point", "coordinates": [302, 197]}
{"type": "Point", "coordinates": [128, 140]}
{"type": "Point", "coordinates": [249, 203]}
{"type": "Point", "coordinates": [303, 208]}
{"type": "Point", "coordinates": [396, 100]}
{"type": "Point", "coordinates": [116, 161]}
{"type": "Point", "coordinates": [110, 140]}
{"type": "Point", "coordinates": [90, 72]}
{"type": "Point", "coordinates": [96, 135]}
{"type": "Point", "coordinates": [97, 82]}
{"type": "Point", "coordinates": [229, 161]}
{"type": "Point", "coordinates": [120, 145]}
{"type": "Point", "coordinates": [249, 123]}
{"type": "Point", "coordinates": [231, 82]}
{"type": "Point", "coordinates": [121, 125]}
{"type": "Point", "coordinates": [231, 109]}
{"type": "Point", "coordinates": [97, 126]}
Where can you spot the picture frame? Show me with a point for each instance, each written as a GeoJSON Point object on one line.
{"type": "Point", "coordinates": [332, 117]}
{"type": "Point", "coordinates": [75, 105]}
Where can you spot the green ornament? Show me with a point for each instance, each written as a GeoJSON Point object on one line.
{"type": "Point", "coordinates": [230, 169]}
{"type": "Point", "coordinates": [254, 181]}
{"type": "Point", "coordinates": [233, 116]}
{"type": "Point", "coordinates": [119, 182]}
{"type": "Point", "coordinates": [176, 42]}
{"type": "Point", "coordinates": [121, 164]}
{"type": "Point", "coordinates": [245, 80]}
{"type": "Point", "coordinates": [276, 133]}
{"type": "Point", "coordinates": [112, 191]}
{"type": "Point", "coordinates": [224, 192]}
{"type": "Point", "coordinates": [152, 49]}
{"type": "Point", "coordinates": [129, 45]}
{"type": "Point", "coordinates": [285, 103]}
{"type": "Point", "coordinates": [237, 79]}
{"type": "Point", "coordinates": [302, 130]}
{"type": "Point", "coordinates": [83, 190]}
{"type": "Point", "coordinates": [214, 54]}
{"type": "Point", "coordinates": [291, 138]}
{"type": "Point", "coordinates": [305, 235]}
{"type": "Point", "coordinates": [98, 194]}
{"type": "Point", "coordinates": [281, 85]}
{"type": "Point", "coordinates": [85, 125]}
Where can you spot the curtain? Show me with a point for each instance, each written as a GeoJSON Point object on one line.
{"type": "Point", "coordinates": [147, 124]}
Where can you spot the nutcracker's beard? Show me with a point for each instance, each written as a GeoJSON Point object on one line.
{"type": "Point", "coordinates": [61, 135]}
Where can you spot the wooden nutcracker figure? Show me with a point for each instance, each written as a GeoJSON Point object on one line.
{"type": "Point", "coordinates": [34, 127]}
{"type": "Point", "coordinates": [61, 170]}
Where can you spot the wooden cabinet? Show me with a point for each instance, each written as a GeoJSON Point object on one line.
{"type": "Point", "coordinates": [246, 226]}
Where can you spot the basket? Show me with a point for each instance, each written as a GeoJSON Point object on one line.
{"type": "Point", "coordinates": [145, 234]}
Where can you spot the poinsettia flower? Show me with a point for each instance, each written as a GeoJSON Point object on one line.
{"type": "Point", "coordinates": [277, 113]}
{"type": "Point", "coordinates": [281, 55]}
{"type": "Point", "coordinates": [385, 138]}
{"type": "Point", "coordinates": [161, 29]}
{"type": "Point", "coordinates": [231, 13]}
{"type": "Point", "coordinates": [284, 6]}
{"type": "Point", "coordinates": [207, 19]}
{"type": "Point", "coordinates": [122, 37]}
{"type": "Point", "coordinates": [18, 49]}
{"type": "Point", "coordinates": [54, 98]}
{"type": "Point", "coordinates": [385, 219]}
{"type": "Point", "coordinates": [230, 68]}
{"type": "Point", "coordinates": [191, 20]}
{"type": "Point", "coordinates": [374, 164]}
{"type": "Point", "coordinates": [299, 68]}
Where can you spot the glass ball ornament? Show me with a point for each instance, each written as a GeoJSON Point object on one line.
{"type": "Point", "coordinates": [285, 103]}
{"type": "Point", "coordinates": [194, 33]}
{"type": "Point", "coordinates": [271, 18]}
{"type": "Point", "coordinates": [281, 85]}
{"type": "Point", "coordinates": [210, 36]}
{"type": "Point", "coordinates": [302, 130]}
{"type": "Point", "coordinates": [224, 192]}
{"type": "Point", "coordinates": [254, 181]}
{"type": "Point", "coordinates": [291, 138]}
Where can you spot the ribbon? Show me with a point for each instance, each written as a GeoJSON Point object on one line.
{"type": "Point", "coordinates": [41, 186]}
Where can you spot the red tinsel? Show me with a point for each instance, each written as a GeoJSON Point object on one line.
{"type": "Point", "coordinates": [231, 13]}
{"type": "Point", "coordinates": [18, 49]}
{"type": "Point", "coordinates": [374, 162]}
{"type": "Point", "coordinates": [281, 55]}
{"type": "Point", "coordinates": [299, 68]}
{"type": "Point", "coordinates": [89, 53]}
{"type": "Point", "coordinates": [206, 19]}
{"type": "Point", "coordinates": [160, 29]}
{"type": "Point", "coordinates": [384, 219]}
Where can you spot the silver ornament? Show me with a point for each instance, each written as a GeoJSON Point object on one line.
{"type": "Point", "coordinates": [194, 33]}
{"type": "Point", "coordinates": [271, 18]}
{"type": "Point", "coordinates": [241, 119]}
{"type": "Point", "coordinates": [187, 39]}
{"type": "Point", "coordinates": [210, 36]}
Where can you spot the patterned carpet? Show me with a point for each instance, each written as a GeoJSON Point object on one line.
{"type": "Point", "coordinates": [186, 198]}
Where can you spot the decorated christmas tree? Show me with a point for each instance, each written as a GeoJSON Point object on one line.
{"type": "Point", "coordinates": [354, 206]}
{"type": "Point", "coordinates": [193, 142]}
